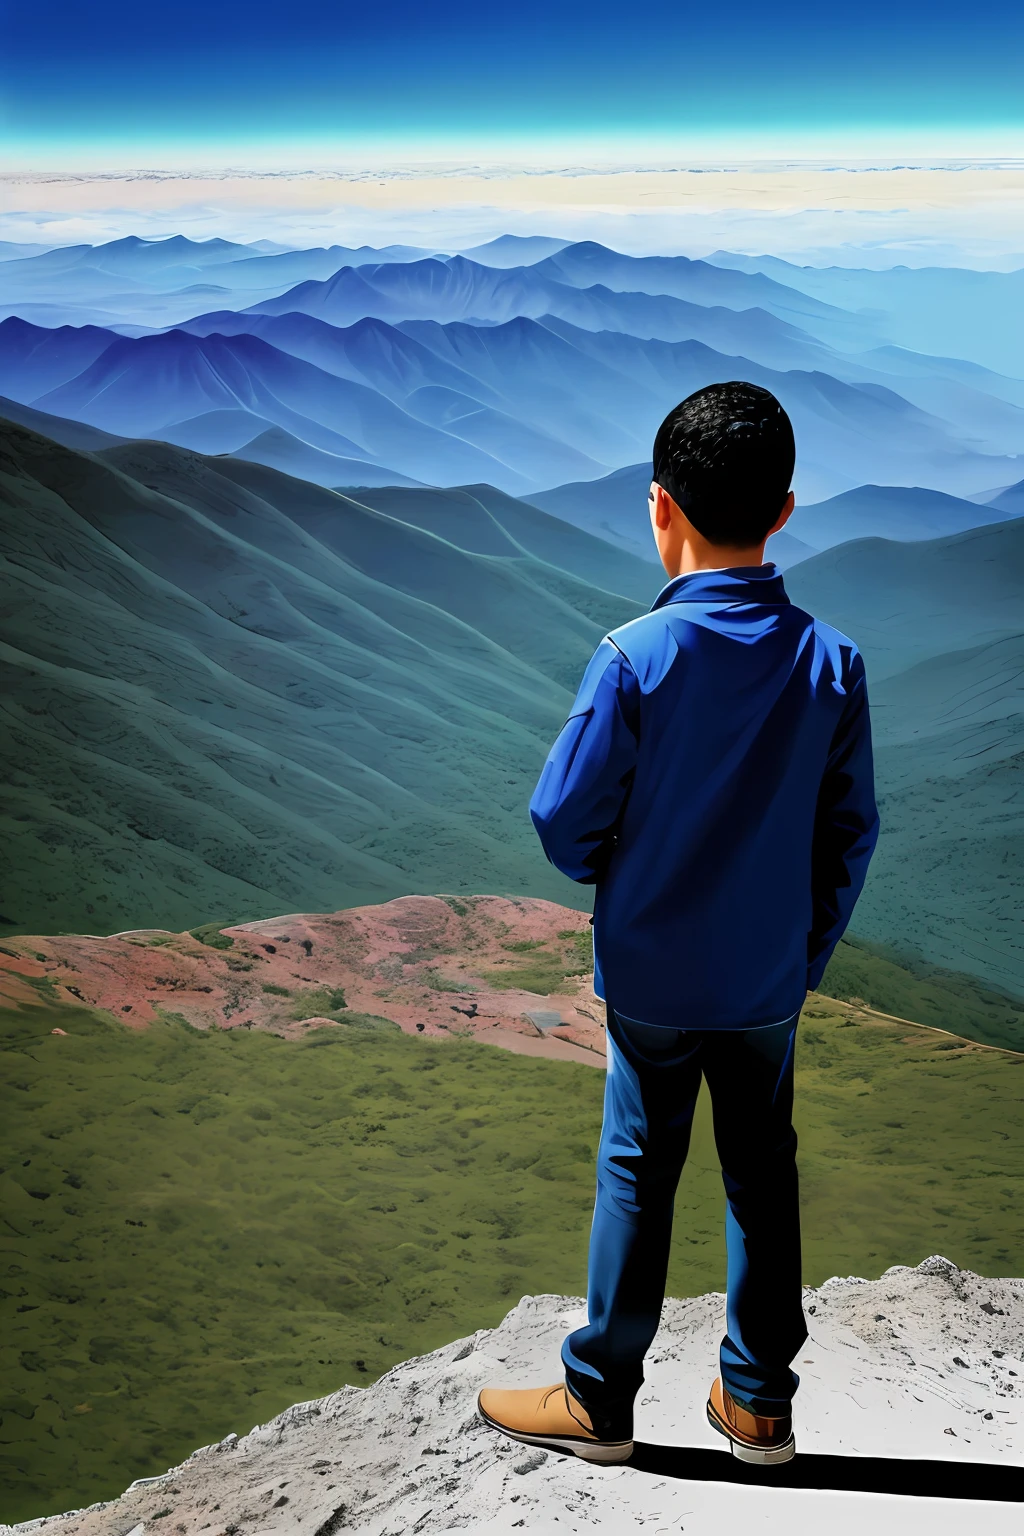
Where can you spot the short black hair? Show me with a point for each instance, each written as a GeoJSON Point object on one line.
{"type": "Point", "coordinates": [726, 455]}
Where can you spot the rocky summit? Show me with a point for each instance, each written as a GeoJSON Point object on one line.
{"type": "Point", "coordinates": [910, 1409]}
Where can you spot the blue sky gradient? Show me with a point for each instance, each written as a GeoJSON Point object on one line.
{"type": "Point", "coordinates": [82, 83]}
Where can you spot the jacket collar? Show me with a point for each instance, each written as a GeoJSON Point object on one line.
{"type": "Point", "coordinates": [739, 584]}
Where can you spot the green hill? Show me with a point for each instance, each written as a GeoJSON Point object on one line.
{"type": "Point", "coordinates": [941, 625]}
{"type": "Point", "coordinates": [905, 986]}
{"type": "Point", "coordinates": [454, 514]}
{"type": "Point", "coordinates": [904, 603]}
{"type": "Point", "coordinates": [228, 694]}
{"type": "Point", "coordinates": [231, 693]}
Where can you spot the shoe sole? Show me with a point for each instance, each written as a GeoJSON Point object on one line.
{"type": "Point", "coordinates": [603, 1452]}
{"type": "Point", "coordinates": [753, 1455]}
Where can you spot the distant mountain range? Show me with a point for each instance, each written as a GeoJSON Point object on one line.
{"type": "Point", "coordinates": [949, 311]}
{"type": "Point", "coordinates": [551, 360]}
{"type": "Point", "coordinates": [524, 404]}
{"type": "Point", "coordinates": [225, 687]}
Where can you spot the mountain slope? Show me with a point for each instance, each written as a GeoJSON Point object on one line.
{"type": "Point", "coordinates": [1010, 500]}
{"type": "Point", "coordinates": [70, 434]}
{"type": "Point", "coordinates": [516, 526]}
{"type": "Point", "coordinates": [514, 250]}
{"type": "Point", "coordinates": [278, 449]}
{"type": "Point", "coordinates": [34, 360]}
{"type": "Point", "coordinates": [586, 263]}
{"type": "Point", "coordinates": [615, 507]}
{"type": "Point", "coordinates": [941, 625]}
{"type": "Point", "coordinates": [142, 385]}
{"type": "Point", "coordinates": [906, 603]}
{"type": "Point", "coordinates": [904, 512]}
{"type": "Point", "coordinates": [229, 691]}
{"type": "Point", "coordinates": [950, 752]}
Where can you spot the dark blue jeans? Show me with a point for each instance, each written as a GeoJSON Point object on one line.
{"type": "Point", "coordinates": [654, 1075]}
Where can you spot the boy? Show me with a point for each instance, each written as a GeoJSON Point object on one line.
{"type": "Point", "coordinates": [714, 782]}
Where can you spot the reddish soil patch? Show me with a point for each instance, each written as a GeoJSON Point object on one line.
{"type": "Point", "coordinates": [433, 965]}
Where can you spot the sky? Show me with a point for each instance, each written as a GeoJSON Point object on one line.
{"type": "Point", "coordinates": [220, 82]}
{"type": "Point", "coordinates": [885, 131]}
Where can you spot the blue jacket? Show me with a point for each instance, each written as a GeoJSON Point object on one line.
{"type": "Point", "coordinates": [714, 779]}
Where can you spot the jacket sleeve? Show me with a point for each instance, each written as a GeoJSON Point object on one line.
{"type": "Point", "coordinates": [584, 784]}
{"type": "Point", "coordinates": [845, 826]}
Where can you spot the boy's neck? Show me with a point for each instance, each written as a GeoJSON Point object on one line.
{"type": "Point", "coordinates": [713, 557]}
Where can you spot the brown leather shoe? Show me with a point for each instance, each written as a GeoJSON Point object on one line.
{"type": "Point", "coordinates": [761, 1441]}
{"type": "Point", "coordinates": [549, 1416]}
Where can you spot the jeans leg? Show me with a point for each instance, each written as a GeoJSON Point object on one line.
{"type": "Point", "coordinates": [650, 1093]}
{"type": "Point", "coordinates": [750, 1075]}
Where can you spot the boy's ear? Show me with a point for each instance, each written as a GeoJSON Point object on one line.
{"type": "Point", "coordinates": [661, 506]}
{"type": "Point", "coordinates": [785, 515]}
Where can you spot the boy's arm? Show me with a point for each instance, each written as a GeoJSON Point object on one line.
{"type": "Point", "coordinates": [845, 826]}
{"type": "Point", "coordinates": [585, 782]}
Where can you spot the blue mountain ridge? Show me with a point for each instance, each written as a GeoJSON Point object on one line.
{"type": "Point", "coordinates": [970, 314]}
{"type": "Point", "coordinates": [539, 402]}
{"type": "Point", "coordinates": [147, 383]}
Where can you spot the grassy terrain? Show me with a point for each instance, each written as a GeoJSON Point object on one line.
{"type": "Point", "coordinates": [203, 1228]}
{"type": "Point", "coordinates": [536, 967]}
{"type": "Point", "coordinates": [912, 988]}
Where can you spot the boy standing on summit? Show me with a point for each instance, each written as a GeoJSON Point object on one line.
{"type": "Point", "coordinates": [714, 782]}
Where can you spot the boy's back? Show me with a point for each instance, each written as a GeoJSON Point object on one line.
{"type": "Point", "coordinates": [737, 723]}
{"type": "Point", "coordinates": [714, 781]}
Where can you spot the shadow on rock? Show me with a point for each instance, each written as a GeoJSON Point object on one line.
{"type": "Point", "coordinates": [838, 1474]}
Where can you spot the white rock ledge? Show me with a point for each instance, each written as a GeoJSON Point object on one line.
{"type": "Point", "coordinates": [922, 1366]}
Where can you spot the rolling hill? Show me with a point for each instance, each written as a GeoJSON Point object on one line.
{"type": "Point", "coordinates": [941, 625]}
{"type": "Point", "coordinates": [516, 526]}
{"type": "Point", "coordinates": [908, 603]}
{"type": "Point", "coordinates": [230, 691]}
{"type": "Point", "coordinates": [278, 449]}
{"type": "Point", "coordinates": [70, 434]}
{"type": "Point", "coordinates": [903, 512]}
